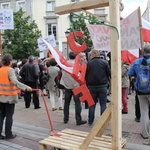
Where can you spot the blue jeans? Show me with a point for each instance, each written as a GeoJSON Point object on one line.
{"type": "Point", "coordinates": [99, 94]}
{"type": "Point", "coordinates": [68, 96]}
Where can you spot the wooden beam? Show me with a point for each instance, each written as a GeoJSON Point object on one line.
{"type": "Point", "coordinates": [98, 128]}
{"type": "Point", "coordinates": [99, 18]}
{"type": "Point", "coordinates": [78, 6]}
{"type": "Point", "coordinates": [116, 104]}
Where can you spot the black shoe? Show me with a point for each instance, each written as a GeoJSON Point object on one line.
{"type": "Point", "coordinates": [108, 101]}
{"type": "Point", "coordinates": [2, 137]}
{"type": "Point", "coordinates": [143, 136]}
{"type": "Point", "coordinates": [11, 137]}
{"type": "Point", "coordinates": [123, 112]}
{"type": "Point", "coordinates": [65, 122]}
{"type": "Point", "coordinates": [37, 107]}
{"type": "Point", "coordinates": [137, 119]}
{"type": "Point", "coordinates": [89, 124]}
{"type": "Point", "coordinates": [81, 122]}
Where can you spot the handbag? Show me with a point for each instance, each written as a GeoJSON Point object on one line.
{"type": "Point", "coordinates": [45, 77]}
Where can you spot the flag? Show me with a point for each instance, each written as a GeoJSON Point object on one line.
{"type": "Point", "coordinates": [145, 30]}
{"type": "Point", "coordinates": [60, 59]}
{"type": "Point", "coordinates": [129, 56]}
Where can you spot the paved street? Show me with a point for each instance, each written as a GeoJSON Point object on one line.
{"type": "Point", "coordinates": [32, 125]}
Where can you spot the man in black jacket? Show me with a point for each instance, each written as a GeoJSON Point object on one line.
{"type": "Point", "coordinates": [30, 73]}
{"type": "Point", "coordinates": [97, 77]}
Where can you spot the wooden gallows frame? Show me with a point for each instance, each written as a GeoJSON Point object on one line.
{"type": "Point", "coordinates": [113, 111]}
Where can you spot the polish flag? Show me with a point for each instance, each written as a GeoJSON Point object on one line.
{"type": "Point", "coordinates": [129, 56]}
{"type": "Point", "coordinates": [60, 59]}
{"type": "Point", "coordinates": [145, 30]}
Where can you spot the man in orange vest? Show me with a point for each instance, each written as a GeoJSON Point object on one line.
{"type": "Point", "coordinates": [9, 89]}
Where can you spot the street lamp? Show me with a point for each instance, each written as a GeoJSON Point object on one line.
{"type": "Point", "coordinates": [66, 34]}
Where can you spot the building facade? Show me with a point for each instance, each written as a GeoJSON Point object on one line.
{"type": "Point", "coordinates": [43, 12]}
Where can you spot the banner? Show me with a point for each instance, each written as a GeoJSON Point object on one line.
{"type": "Point", "coordinates": [50, 39]}
{"type": "Point", "coordinates": [130, 33]}
{"type": "Point", "coordinates": [6, 19]}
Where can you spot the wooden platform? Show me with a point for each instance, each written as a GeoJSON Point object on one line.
{"type": "Point", "coordinates": [72, 139]}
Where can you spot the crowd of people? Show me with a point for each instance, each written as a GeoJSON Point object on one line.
{"type": "Point", "coordinates": [58, 84]}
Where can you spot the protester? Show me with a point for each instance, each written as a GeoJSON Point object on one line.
{"type": "Point", "coordinates": [41, 67]}
{"type": "Point", "coordinates": [69, 83]}
{"type": "Point", "coordinates": [84, 60]}
{"type": "Point", "coordinates": [53, 71]}
{"type": "Point", "coordinates": [125, 85]}
{"type": "Point", "coordinates": [30, 73]}
{"type": "Point", "coordinates": [83, 57]}
{"type": "Point", "coordinates": [17, 70]}
{"type": "Point", "coordinates": [97, 77]}
{"type": "Point", "coordinates": [8, 95]}
{"type": "Point", "coordinates": [144, 98]}
{"type": "Point", "coordinates": [131, 85]}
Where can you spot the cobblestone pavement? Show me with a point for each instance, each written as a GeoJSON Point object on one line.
{"type": "Point", "coordinates": [32, 125]}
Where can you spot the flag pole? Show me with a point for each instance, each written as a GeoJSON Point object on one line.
{"type": "Point", "coordinates": [140, 24]}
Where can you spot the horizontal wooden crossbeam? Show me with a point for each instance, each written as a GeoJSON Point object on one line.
{"type": "Point", "coordinates": [79, 6]}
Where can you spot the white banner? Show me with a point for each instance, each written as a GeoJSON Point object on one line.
{"type": "Point", "coordinates": [50, 39]}
{"type": "Point", "coordinates": [130, 34]}
{"type": "Point", "coordinates": [6, 19]}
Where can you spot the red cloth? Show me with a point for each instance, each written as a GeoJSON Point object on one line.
{"type": "Point", "coordinates": [127, 56]}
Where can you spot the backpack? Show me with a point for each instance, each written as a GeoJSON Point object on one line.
{"type": "Point", "coordinates": [143, 77]}
{"type": "Point", "coordinates": [57, 81]}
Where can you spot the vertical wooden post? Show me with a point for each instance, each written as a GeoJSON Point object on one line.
{"type": "Point", "coordinates": [115, 75]}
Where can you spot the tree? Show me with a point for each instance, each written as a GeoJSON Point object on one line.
{"type": "Point", "coordinates": [79, 24]}
{"type": "Point", "coordinates": [22, 41]}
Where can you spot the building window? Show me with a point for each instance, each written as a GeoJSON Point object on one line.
{"type": "Point", "coordinates": [100, 11]}
{"type": "Point", "coordinates": [50, 5]}
{"type": "Point", "coordinates": [52, 29]}
{"type": "Point", "coordinates": [5, 5]}
{"type": "Point", "coordinates": [75, 1]}
{"type": "Point", "coordinates": [21, 4]}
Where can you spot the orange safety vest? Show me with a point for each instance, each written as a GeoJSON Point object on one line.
{"type": "Point", "coordinates": [6, 86]}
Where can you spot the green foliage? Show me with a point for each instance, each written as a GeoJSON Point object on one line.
{"type": "Point", "coordinates": [79, 24]}
{"type": "Point", "coordinates": [22, 41]}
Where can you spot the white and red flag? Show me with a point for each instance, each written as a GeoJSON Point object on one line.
{"type": "Point", "coordinates": [145, 30]}
{"type": "Point", "coordinates": [60, 59]}
{"type": "Point", "coordinates": [130, 55]}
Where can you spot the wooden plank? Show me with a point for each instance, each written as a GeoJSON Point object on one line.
{"type": "Point", "coordinates": [104, 126]}
{"type": "Point", "coordinates": [72, 139]}
{"type": "Point", "coordinates": [42, 147]}
{"type": "Point", "coordinates": [78, 6]}
{"type": "Point", "coordinates": [115, 45]}
{"type": "Point", "coordinates": [82, 134]}
{"type": "Point", "coordinates": [97, 127]}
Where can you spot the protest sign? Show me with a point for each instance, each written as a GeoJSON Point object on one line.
{"type": "Point", "coordinates": [6, 19]}
{"type": "Point", "coordinates": [50, 39]}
